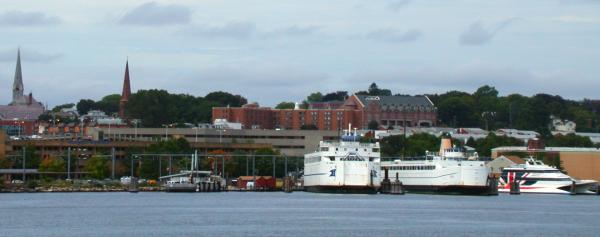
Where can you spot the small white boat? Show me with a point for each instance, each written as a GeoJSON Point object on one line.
{"type": "Point", "coordinates": [535, 177]}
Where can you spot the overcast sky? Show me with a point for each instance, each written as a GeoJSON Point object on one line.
{"type": "Point", "coordinates": [281, 50]}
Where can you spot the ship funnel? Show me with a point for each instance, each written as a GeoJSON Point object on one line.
{"type": "Point", "coordinates": [445, 145]}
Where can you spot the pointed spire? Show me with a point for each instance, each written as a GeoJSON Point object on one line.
{"type": "Point", "coordinates": [126, 91]}
{"type": "Point", "coordinates": [18, 82]}
{"type": "Point", "coordinates": [126, 86]}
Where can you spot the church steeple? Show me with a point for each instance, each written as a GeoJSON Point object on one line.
{"type": "Point", "coordinates": [126, 91]}
{"type": "Point", "coordinates": [18, 83]}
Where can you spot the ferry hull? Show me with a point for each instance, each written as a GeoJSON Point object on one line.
{"type": "Point", "coordinates": [342, 189]}
{"type": "Point", "coordinates": [582, 187]}
{"type": "Point", "coordinates": [451, 189]}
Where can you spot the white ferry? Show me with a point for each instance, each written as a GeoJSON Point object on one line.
{"type": "Point", "coordinates": [347, 166]}
{"type": "Point", "coordinates": [449, 171]}
{"type": "Point", "coordinates": [536, 177]}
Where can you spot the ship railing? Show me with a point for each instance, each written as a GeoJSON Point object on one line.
{"type": "Point", "coordinates": [408, 158]}
{"type": "Point", "coordinates": [337, 143]}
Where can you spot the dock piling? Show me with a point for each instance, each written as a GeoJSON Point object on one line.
{"type": "Point", "coordinates": [515, 188]}
{"type": "Point", "coordinates": [288, 184]}
{"type": "Point", "coordinates": [492, 186]}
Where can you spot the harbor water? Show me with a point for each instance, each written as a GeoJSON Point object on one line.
{"type": "Point", "coordinates": [295, 214]}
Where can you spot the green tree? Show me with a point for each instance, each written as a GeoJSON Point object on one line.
{"type": "Point", "coordinates": [149, 168]}
{"type": "Point", "coordinates": [155, 107]}
{"type": "Point", "coordinates": [418, 144]}
{"type": "Point", "coordinates": [85, 105]}
{"type": "Point", "coordinates": [264, 162]}
{"type": "Point", "coordinates": [373, 125]}
{"type": "Point", "coordinates": [109, 104]}
{"type": "Point", "coordinates": [285, 105]}
{"type": "Point", "coordinates": [226, 99]}
{"type": "Point", "coordinates": [96, 167]}
{"type": "Point", "coordinates": [458, 111]}
{"type": "Point", "coordinates": [63, 106]}
{"type": "Point", "coordinates": [375, 90]}
{"type": "Point", "coordinates": [4, 163]}
{"type": "Point", "coordinates": [315, 97]}
{"type": "Point", "coordinates": [335, 96]}
{"type": "Point", "coordinates": [392, 145]}
{"type": "Point", "coordinates": [415, 145]}
{"type": "Point", "coordinates": [52, 164]}
{"type": "Point", "coordinates": [569, 140]}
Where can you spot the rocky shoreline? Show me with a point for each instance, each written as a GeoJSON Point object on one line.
{"type": "Point", "coordinates": [76, 189]}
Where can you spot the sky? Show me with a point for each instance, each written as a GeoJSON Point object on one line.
{"type": "Point", "coordinates": [271, 51]}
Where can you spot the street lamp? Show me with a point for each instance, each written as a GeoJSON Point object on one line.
{"type": "Point", "coordinates": [167, 130]}
{"type": "Point", "coordinates": [196, 134]}
{"type": "Point", "coordinates": [221, 131]}
{"type": "Point", "coordinates": [109, 122]}
{"type": "Point", "coordinates": [135, 122]}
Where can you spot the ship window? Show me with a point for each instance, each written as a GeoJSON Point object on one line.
{"type": "Point", "coordinates": [324, 148]}
{"type": "Point", "coordinates": [370, 158]}
{"type": "Point", "coordinates": [332, 158]}
{"type": "Point", "coordinates": [336, 149]}
{"type": "Point", "coordinates": [375, 149]}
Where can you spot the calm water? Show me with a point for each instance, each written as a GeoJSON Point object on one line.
{"type": "Point", "coordinates": [297, 214]}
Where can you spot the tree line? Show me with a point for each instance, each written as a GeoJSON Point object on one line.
{"type": "Point", "coordinates": [484, 108]}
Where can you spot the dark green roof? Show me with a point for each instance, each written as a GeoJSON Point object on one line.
{"type": "Point", "coordinates": [397, 101]}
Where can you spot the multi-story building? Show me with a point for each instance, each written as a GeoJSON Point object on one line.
{"type": "Point", "coordinates": [358, 110]}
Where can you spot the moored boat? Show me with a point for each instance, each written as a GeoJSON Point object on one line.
{"type": "Point", "coordinates": [450, 171]}
{"type": "Point", "coordinates": [536, 177]}
{"type": "Point", "coordinates": [345, 166]}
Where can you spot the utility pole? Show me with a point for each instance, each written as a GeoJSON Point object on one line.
{"type": "Point", "coordinates": [113, 163]}
{"type": "Point", "coordinates": [24, 160]}
{"type": "Point", "coordinates": [69, 163]}
{"type": "Point", "coordinates": [253, 172]}
{"type": "Point", "coordinates": [285, 167]}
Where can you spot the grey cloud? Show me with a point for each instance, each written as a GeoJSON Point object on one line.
{"type": "Point", "coordinates": [154, 14]}
{"type": "Point", "coordinates": [395, 36]}
{"type": "Point", "coordinates": [478, 34]}
{"type": "Point", "coordinates": [235, 30]}
{"type": "Point", "coordinates": [294, 30]}
{"type": "Point", "coordinates": [397, 5]}
{"type": "Point", "coordinates": [20, 18]}
{"type": "Point", "coordinates": [28, 56]}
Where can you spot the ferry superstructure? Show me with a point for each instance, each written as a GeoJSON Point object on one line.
{"type": "Point", "coordinates": [536, 177]}
{"type": "Point", "coordinates": [345, 166]}
{"type": "Point", "coordinates": [449, 171]}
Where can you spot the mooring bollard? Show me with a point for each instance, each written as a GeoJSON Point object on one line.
{"type": "Point", "coordinates": [492, 186]}
{"type": "Point", "coordinates": [133, 185]}
{"type": "Point", "coordinates": [515, 188]}
{"type": "Point", "coordinates": [288, 184]}
{"type": "Point", "coordinates": [573, 189]}
{"type": "Point", "coordinates": [396, 187]}
{"type": "Point", "coordinates": [385, 184]}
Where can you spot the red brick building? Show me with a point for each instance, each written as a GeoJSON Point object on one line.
{"type": "Point", "coordinates": [358, 110]}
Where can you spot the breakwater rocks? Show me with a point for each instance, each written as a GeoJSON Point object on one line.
{"type": "Point", "coordinates": [51, 189]}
